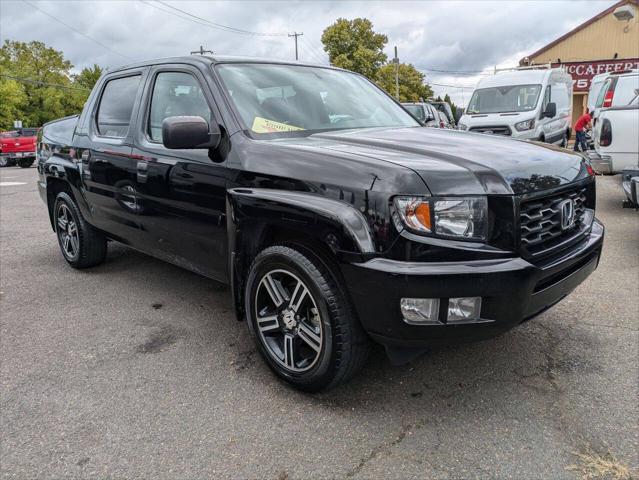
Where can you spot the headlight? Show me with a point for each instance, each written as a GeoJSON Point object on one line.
{"type": "Point", "coordinates": [452, 217]}
{"type": "Point", "coordinates": [462, 126]}
{"type": "Point", "coordinates": [526, 125]}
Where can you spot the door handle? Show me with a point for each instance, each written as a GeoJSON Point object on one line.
{"type": "Point", "coordinates": [142, 167]}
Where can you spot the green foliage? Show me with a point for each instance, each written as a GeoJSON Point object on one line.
{"type": "Point", "coordinates": [353, 45]}
{"type": "Point", "coordinates": [411, 82]}
{"type": "Point", "coordinates": [43, 87]}
{"type": "Point", "coordinates": [13, 98]}
{"type": "Point", "coordinates": [453, 107]}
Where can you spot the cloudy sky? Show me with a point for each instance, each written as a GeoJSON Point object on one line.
{"type": "Point", "coordinates": [445, 39]}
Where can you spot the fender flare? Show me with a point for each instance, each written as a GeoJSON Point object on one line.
{"type": "Point", "coordinates": [303, 211]}
{"type": "Point", "coordinates": [336, 212]}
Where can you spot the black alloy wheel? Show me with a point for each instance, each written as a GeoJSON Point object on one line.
{"type": "Point", "coordinates": [301, 320]}
{"type": "Point", "coordinates": [81, 244]}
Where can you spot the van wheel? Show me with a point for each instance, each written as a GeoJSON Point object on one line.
{"type": "Point", "coordinates": [542, 139]}
{"type": "Point", "coordinates": [3, 162]}
{"type": "Point", "coordinates": [301, 320]}
{"type": "Point", "coordinates": [82, 245]}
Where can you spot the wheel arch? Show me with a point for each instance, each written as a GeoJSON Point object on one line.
{"type": "Point", "coordinates": [330, 229]}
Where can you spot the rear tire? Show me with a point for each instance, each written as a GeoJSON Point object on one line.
{"type": "Point", "coordinates": [312, 340]}
{"type": "Point", "coordinates": [82, 245]}
{"type": "Point", "coordinates": [25, 162]}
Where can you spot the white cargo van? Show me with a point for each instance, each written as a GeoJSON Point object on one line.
{"type": "Point", "coordinates": [526, 103]}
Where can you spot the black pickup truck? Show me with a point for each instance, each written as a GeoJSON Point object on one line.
{"type": "Point", "coordinates": [335, 218]}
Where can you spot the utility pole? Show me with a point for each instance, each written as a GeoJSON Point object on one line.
{"type": "Point", "coordinates": [295, 34]}
{"type": "Point", "coordinates": [201, 51]}
{"type": "Point", "coordinates": [396, 62]}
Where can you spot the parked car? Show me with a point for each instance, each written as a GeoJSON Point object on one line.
{"type": "Point", "coordinates": [444, 107]}
{"type": "Point", "coordinates": [18, 146]}
{"type": "Point", "coordinates": [530, 104]}
{"type": "Point", "coordinates": [630, 185]}
{"type": "Point", "coordinates": [334, 218]}
{"type": "Point", "coordinates": [424, 112]}
{"type": "Point", "coordinates": [443, 120]}
{"type": "Point", "coordinates": [616, 133]}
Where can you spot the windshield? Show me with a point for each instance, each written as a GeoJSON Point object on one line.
{"type": "Point", "coordinates": [416, 110]}
{"type": "Point", "coordinates": [292, 100]}
{"type": "Point", "coordinates": [509, 98]}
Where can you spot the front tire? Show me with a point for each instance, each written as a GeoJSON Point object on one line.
{"type": "Point", "coordinates": [301, 320]}
{"type": "Point", "coordinates": [82, 245]}
{"type": "Point", "coordinates": [4, 162]}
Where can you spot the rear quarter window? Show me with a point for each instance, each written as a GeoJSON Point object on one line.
{"type": "Point", "coordinates": [626, 90]}
{"type": "Point", "coordinates": [116, 106]}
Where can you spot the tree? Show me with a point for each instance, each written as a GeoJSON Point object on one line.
{"type": "Point", "coordinates": [353, 45]}
{"type": "Point", "coordinates": [411, 82]}
{"type": "Point", "coordinates": [453, 107]}
{"type": "Point", "coordinates": [13, 99]}
{"type": "Point", "coordinates": [46, 87]}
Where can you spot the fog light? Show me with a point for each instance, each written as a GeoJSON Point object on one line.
{"type": "Point", "coordinates": [464, 309]}
{"type": "Point", "coordinates": [420, 311]}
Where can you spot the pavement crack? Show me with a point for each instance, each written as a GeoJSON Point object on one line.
{"type": "Point", "coordinates": [375, 452]}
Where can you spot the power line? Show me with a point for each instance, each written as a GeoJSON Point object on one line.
{"type": "Point", "coordinates": [45, 84]}
{"type": "Point", "coordinates": [448, 85]}
{"type": "Point", "coordinates": [320, 58]}
{"type": "Point", "coordinates": [77, 31]}
{"type": "Point", "coordinates": [220, 26]}
{"type": "Point", "coordinates": [458, 72]}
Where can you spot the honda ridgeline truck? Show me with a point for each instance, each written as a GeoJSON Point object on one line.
{"type": "Point", "coordinates": [335, 218]}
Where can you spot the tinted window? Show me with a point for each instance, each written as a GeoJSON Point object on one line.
{"type": "Point", "coordinates": [116, 106]}
{"type": "Point", "coordinates": [175, 94]}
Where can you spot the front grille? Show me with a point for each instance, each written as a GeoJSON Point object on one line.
{"type": "Point", "coordinates": [541, 221]}
{"type": "Point", "coordinates": [500, 130]}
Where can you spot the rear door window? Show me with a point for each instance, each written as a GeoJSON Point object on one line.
{"type": "Point", "coordinates": [116, 106]}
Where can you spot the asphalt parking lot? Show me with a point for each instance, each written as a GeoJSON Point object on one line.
{"type": "Point", "coordinates": [139, 369]}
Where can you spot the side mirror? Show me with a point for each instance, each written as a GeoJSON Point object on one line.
{"type": "Point", "coordinates": [189, 133]}
{"type": "Point", "coordinates": [551, 110]}
{"type": "Point", "coordinates": [458, 114]}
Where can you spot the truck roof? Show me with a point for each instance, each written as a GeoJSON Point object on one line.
{"type": "Point", "coordinates": [212, 60]}
{"type": "Point", "coordinates": [516, 77]}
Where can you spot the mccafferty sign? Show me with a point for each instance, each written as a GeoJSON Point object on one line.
{"type": "Point", "coordinates": [582, 72]}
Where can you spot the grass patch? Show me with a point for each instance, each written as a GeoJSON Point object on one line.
{"type": "Point", "coordinates": [594, 465]}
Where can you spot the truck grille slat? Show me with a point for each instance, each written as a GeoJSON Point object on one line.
{"type": "Point", "coordinates": [540, 220]}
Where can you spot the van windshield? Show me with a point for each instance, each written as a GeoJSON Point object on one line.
{"type": "Point", "coordinates": [509, 98]}
{"type": "Point", "coordinates": [294, 100]}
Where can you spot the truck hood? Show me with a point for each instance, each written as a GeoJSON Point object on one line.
{"type": "Point", "coordinates": [452, 162]}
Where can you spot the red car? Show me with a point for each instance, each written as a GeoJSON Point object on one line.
{"type": "Point", "coordinates": [18, 146]}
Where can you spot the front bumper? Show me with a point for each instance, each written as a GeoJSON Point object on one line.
{"type": "Point", "coordinates": [12, 155]}
{"type": "Point", "coordinates": [512, 290]}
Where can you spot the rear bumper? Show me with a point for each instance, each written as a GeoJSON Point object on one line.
{"type": "Point", "coordinates": [600, 163]}
{"type": "Point", "coordinates": [512, 290]}
{"type": "Point", "coordinates": [13, 155]}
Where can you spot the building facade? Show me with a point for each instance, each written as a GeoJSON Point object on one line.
{"type": "Point", "coordinates": [607, 42]}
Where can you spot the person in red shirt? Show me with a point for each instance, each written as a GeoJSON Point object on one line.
{"type": "Point", "coordinates": [583, 124]}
